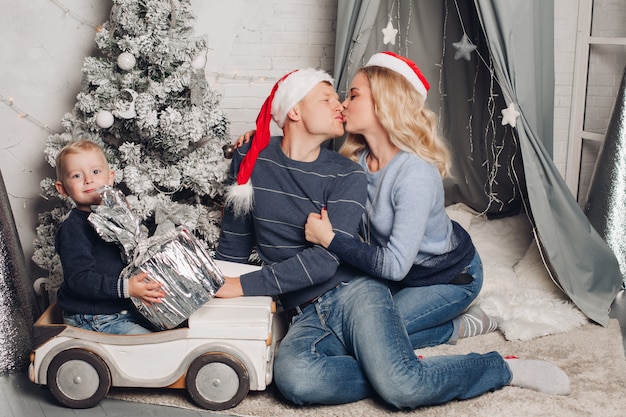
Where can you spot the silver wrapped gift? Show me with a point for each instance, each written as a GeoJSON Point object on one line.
{"type": "Point", "coordinates": [176, 259]}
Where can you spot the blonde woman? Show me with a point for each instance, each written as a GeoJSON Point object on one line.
{"type": "Point", "coordinates": [407, 238]}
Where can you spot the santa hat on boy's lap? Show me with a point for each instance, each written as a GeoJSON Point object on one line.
{"type": "Point", "coordinates": [286, 93]}
{"type": "Point", "coordinates": [402, 66]}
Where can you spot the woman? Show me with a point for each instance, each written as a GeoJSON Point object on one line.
{"type": "Point", "coordinates": [407, 238]}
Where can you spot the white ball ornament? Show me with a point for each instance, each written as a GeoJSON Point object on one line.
{"type": "Point", "coordinates": [126, 61]}
{"type": "Point", "coordinates": [198, 62]}
{"type": "Point", "coordinates": [104, 119]}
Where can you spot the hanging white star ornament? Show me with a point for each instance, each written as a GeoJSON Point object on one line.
{"type": "Point", "coordinates": [463, 48]}
{"type": "Point", "coordinates": [510, 115]}
{"type": "Point", "coordinates": [389, 34]}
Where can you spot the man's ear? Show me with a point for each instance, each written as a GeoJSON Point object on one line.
{"type": "Point", "coordinates": [60, 188]}
{"type": "Point", "coordinates": [294, 114]}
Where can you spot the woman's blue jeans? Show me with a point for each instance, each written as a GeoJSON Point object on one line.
{"type": "Point", "coordinates": [428, 311]}
{"type": "Point", "coordinates": [352, 343]}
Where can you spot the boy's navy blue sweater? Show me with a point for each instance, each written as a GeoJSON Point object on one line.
{"type": "Point", "coordinates": [91, 269]}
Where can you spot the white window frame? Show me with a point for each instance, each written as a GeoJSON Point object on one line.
{"type": "Point", "coordinates": [577, 134]}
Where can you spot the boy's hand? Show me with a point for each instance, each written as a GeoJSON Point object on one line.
{"type": "Point", "coordinates": [146, 289]}
{"type": "Point", "coordinates": [318, 229]}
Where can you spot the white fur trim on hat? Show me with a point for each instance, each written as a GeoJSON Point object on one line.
{"type": "Point", "coordinates": [240, 197]}
{"type": "Point", "coordinates": [293, 89]}
{"type": "Point", "coordinates": [399, 66]}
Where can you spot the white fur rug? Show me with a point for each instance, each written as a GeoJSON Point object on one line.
{"type": "Point", "coordinates": [517, 290]}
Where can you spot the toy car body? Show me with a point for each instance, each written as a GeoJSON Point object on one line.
{"type": "Point", "coordinates": [226, 350]}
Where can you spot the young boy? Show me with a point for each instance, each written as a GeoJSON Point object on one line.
{"type": "Point", "coordinates": [92, 295]}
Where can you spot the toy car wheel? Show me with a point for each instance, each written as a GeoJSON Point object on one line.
{"type": "Point", "coordinates": [78, 378]}
{"type": "Point", "coordinates": [217, 381]}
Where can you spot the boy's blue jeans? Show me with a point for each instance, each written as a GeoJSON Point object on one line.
{"type": "Point", "coordinates": [117, 323]}
{"type": "Point", "coordinates": [352, 343]}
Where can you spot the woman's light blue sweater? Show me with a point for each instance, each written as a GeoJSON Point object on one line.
{"type": "Point", "coordinates": [405, 224]}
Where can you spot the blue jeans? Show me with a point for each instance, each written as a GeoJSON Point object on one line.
{"type": "Point", "coordinates": [428, 311]}
{"type": "Point", "coordinates": [351, 343]}
{"type": "Point", "coordinates": [116, 323]}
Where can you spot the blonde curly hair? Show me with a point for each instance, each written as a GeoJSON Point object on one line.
{"type": "Point", "coordinates": [401, 110]}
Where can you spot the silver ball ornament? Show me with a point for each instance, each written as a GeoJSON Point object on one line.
{"type": "Point", "coordinates": [229, 150]}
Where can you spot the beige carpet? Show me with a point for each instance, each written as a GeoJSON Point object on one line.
{"type": "Point", "coordinates": [592, 355]}
{"type": "Point", "coordinates": [536, 321]}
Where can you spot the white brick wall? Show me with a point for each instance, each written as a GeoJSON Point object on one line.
{"type": "Point", "coordinates": [265, 40]}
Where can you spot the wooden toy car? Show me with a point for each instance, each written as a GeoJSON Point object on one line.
{"type": "Point", "coordinates": [226, 350]}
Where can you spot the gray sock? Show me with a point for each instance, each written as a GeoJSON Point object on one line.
{"type": "Point", "coordinates": [474, 322]}
{"type": "Point", "coordinates": [539, 375]}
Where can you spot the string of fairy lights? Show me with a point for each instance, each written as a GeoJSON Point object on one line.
{"type": "Point", "coordinates": [24, 115]}
{"type": "Point", "coordinates": [82, 21]}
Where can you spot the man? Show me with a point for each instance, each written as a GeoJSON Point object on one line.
{"type": "Point", "coordinates": [292, 177]}
{"type": "Point", "coordinates": [346, 340]}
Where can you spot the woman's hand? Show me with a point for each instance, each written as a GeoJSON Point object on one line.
{"type": "Point", "coordinates": [146, 289]}
{"type": "Point", "coordinates": [318, 229]}
{"type": "Point", "coordinates": [245, 138]}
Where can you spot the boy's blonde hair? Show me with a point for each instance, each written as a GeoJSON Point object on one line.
{"type": "Point", "coordinates": [401, 110]}
{"type": "Point", "coordinates": [72, 148]}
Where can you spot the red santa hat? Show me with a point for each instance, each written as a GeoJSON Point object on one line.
{"type": "Point", "coordinates": [286, 93]}
{"type": "Point", "coordinates": [402, 66]}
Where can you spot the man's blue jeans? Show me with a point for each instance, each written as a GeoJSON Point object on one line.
{"type": "Point", "coordinates": [428, 311]}
{"type": "Point", "coordinates": [352, 343]}
{"type": "Point", "coordinates": [116, 323]}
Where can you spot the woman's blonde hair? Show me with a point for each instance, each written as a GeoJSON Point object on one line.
{"type": "Point", "coordinates": [79, 146]}
{"type": "Point", "coordinates": [401, 110]}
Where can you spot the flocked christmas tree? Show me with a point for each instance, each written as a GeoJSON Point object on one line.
{"type": "Point", "coordinates": [146, 101]}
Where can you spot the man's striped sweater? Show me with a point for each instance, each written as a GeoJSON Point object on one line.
{"type": "Point", "coordinates": [285, 192]}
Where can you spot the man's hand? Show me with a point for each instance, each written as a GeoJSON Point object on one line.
{"type": "Point", "coordinates": [231, 288]}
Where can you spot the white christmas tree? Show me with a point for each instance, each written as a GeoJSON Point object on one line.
{"type": "Point", "coordinates": [146, 101]}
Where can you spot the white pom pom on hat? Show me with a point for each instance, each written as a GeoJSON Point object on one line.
{"type": "Point", "coordinates": [402, 66]}
{"type": "Point", "coordinates": [286, 93]}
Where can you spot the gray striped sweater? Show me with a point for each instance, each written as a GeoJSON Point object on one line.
{"type": "Point", "coordinates": [285, 192]}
